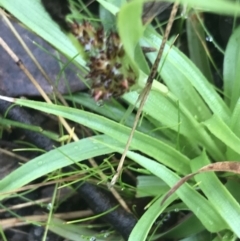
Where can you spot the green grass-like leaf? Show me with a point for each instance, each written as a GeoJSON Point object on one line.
{"type": "Point", "coordinates": [202, 208]}
{"type": "Point", "coordinates": [186, 110]}
{"type": "Point", "coordinates": [231, 70]}
{"type": "Point", "coordinates": [53, 160]}
{"type": "Point", "coordinates": [33, 15]}
{"type": "Point", "coordinates": [217, 6]}
{"type": "Point", "coordinates": [217, 194]}
{"type": "Point", "coordinates": [149, 145]}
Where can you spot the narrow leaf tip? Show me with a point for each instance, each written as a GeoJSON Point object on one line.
{"type": "Point", "coordinates": [9, 99]}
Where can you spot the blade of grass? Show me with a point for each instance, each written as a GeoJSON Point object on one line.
{"type": "Point", "coordinates": [217, 6]}
{"type": "Point", "coordinates": [196, 42]}
{"type": "Point", "coordinates": [235, 127]}
{"type": "Point", "coordinates": [182, 77]}
{"type": "Point", "coordinates": [32, 14]}
{"type": "Point", "coordinates": [235, 124]}
{"type": "Point", "coordinates": [144, 94]}
{"type": "Point", "coordinates": [223, 202]}
{"type": "Point", "coordinates": [130, 26]}
{"type": "Point", "coordinates": [142, 228]}
{"type": "Point", "coordinates": [77, 232]}
{"type": "Point", "coordinates": [53, 160]}
{"type": "Point", "coordinates": [202, 208]}
{"type": "Point", "coordinates": [114, 111]}
{"type": "Point", "coordinates": [150, 186]}
{"type": "Point", "coordinates": [231, 72]}
{"type": "Point", "coordinates": [218, 128]}
{"type": "Point", "coordinates": [146, 144]}
{"type": "Point", "coordinates": [176, 116]}
{"type": "Point", "coordinates": [8, 123]}
{"type": "Point", "coordinates": [182, 230]}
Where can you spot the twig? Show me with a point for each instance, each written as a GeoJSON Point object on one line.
{"type": "Point", "coordinates": [143, 96]}
{"type": "Point", "coordinates": [62, 120]}
{"type": "Point", "coordinates": [20, 64]}
{"type": "Point", "coordinates": [11, 154]}
{"type": "Point", "coordinates": [19, 38]}
{"type": "Point", "coordinates": [25, 220]}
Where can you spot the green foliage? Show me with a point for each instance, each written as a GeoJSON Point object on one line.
{"type": "Point", "coordinates": [186, 125]}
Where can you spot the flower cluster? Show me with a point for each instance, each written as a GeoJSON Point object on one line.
{"type": "Point", "coordinates": [110, 73]}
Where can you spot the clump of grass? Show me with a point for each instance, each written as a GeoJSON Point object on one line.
{"type": "Point", "coordinates": [185, 127]}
